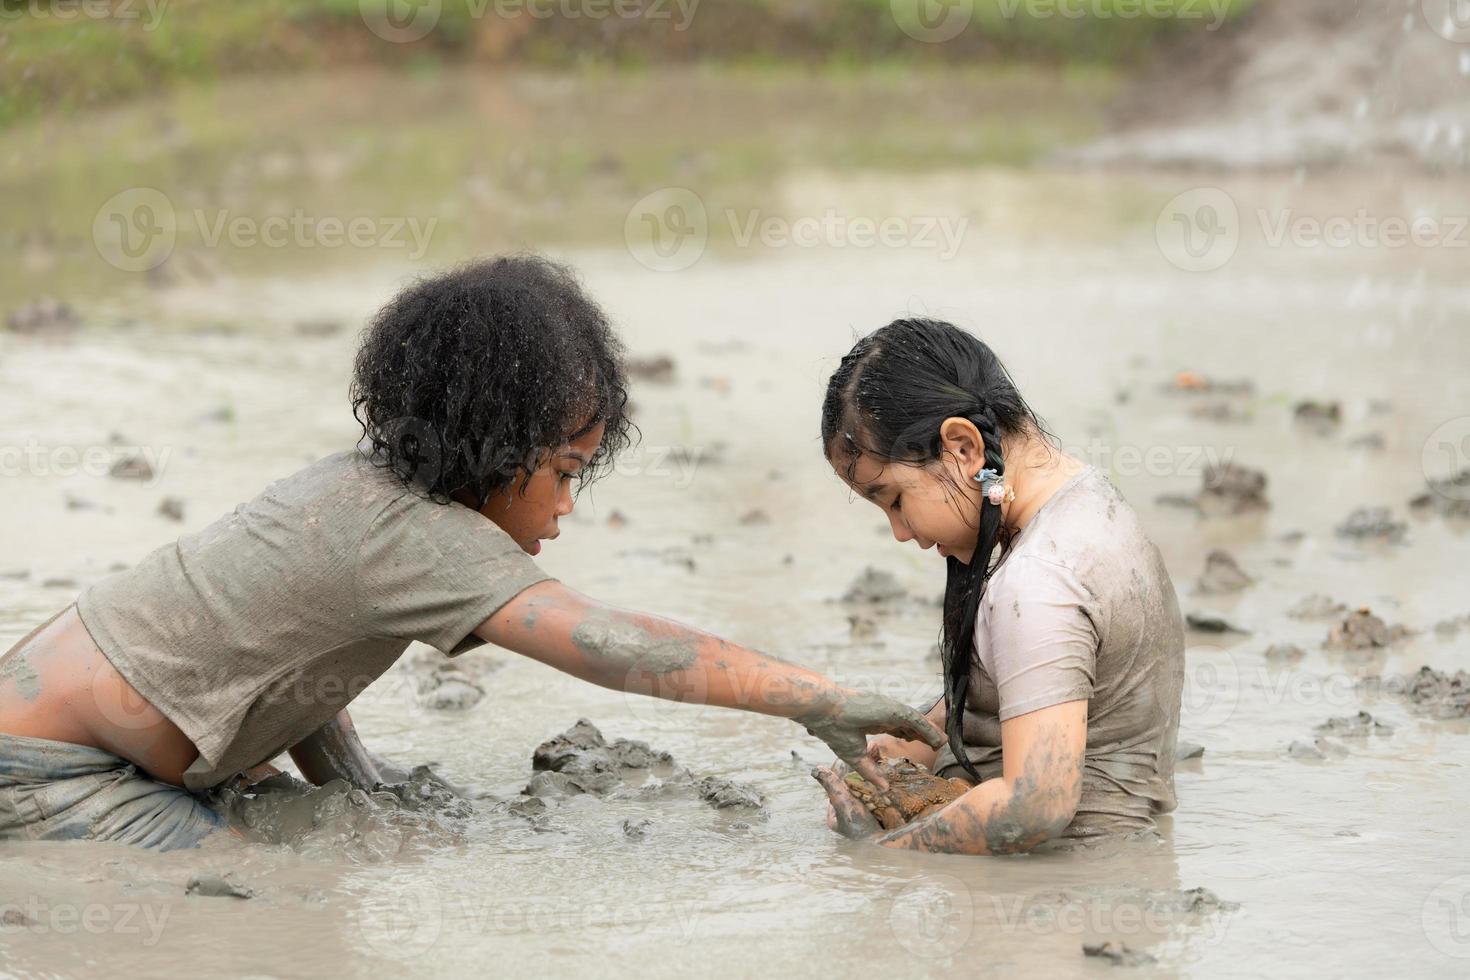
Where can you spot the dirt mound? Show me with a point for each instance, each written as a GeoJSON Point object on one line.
{"type": "Point", "coordinates": [1296, 83]}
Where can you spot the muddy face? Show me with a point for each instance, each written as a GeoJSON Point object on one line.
{"type": "Point", "coordinates": [913, 792]}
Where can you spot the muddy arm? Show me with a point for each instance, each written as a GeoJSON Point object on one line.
{"type": "Point", "coordinates": [335, 752]}
{"type": "Point", "coordinates": [1035, 798]}
{"type": "Point", "coordinates": [644, 654]}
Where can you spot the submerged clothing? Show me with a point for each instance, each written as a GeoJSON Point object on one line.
{"type": "Point", "coordinates": [256, 631]}
{"type": "Point", "coordinates": [59, 791]}
{"type": "Point", "coordinates": [1083, 608]}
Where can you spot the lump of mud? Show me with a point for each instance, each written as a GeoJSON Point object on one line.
{"type": "Point", "coordinates": [583, 749]}
{"type": "Point", "coordinates": [134, 467]}
{"type": "Point", "coordinates": [1191, 901]}
{"type": "Point", "coordinates": [171, 508]}
{"type": "Point", "coordinates": [874, 586]}
{"type": "Point", "coordinates": [1362, 630]}
{"type": "Point", "coordinates": [216, 886]}
{"type": "Point", "coordinates": [636, 829]}
{"type": "Point", "coordinates": [1222, 574]}
{"type": "Point", "coordinates": [1437, 693]}
{"type": "Point", "coordinates": [1373, 524]}
{"type": "Point", "coordinates": [722, 794]}
{"type": "Point", "coordinates": [1233, 489]}
{"type": "Point", "coordinates": [1211, 622]}
{"type": "Point", "coordinates": [1316, 607]}
{"type": "Point", "coordinates": [1288, 652]}
{"type": "Point", "coordinates": [1447, 496]}
{"type": "Point", "coordinates": [1360, 725]}
{"type": "Point", "coordinates": [1320, 418]}
{"type": "Point", "coordinates": [658, 369]}
{"type": "Point", "coordinates": [1117, 953]}
{"type": "Point", "coordinates": [1317, 748]}
{"type": "Point", "coordinates": [442, 684]}
{"type": "Point", "coordinates": [425, 789]}
{"type": "Point", "coordinates": [1447, 628]}
{"type": "Point", "coordinates": [15, 919]}
{"type": "Point", "coordinates": [45, 315]}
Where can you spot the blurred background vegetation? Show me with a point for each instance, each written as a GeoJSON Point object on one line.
{"type": "Point", "coordinates": [70, 61]}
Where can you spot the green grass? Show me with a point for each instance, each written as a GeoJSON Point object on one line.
{"type": "Point", "coordinates": [67, 61]}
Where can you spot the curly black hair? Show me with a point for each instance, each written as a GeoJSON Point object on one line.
{"type": "Point", "coordinates": [466, 378]}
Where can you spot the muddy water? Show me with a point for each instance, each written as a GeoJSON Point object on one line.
{"type": "Point", "coordinates": [1341, 865]}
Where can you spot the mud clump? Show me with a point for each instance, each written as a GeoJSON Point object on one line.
{"type": "Point", "coordinates": [1233, 489]}
{"type": "Point", "coordinates": [1373, 524]}
{"type": "Point", "coordinates": [1316, 607]}
{"type": "Point", "coordinates": [1222, 574]}
{"type": "Point", "coordinates": [1448, 497]}
{"type": "Point", "coordinates": [1360, 725]}
{"type": "Point", "coordinates": [45, 316]}
{"type": "Point", "coordinates": [1212, 622]}
{"type": "Point", "coordinates": [1439, 694]}
{"type": "Point", "coordinates": [874, 587]}
{"type": "Point", "coordinates": [444, 684]}
{"type": "Point", "coordinates": [1319, 418]}
{"type": "Point", "coordinates": [1317, 749]}
{"type": "Point", "coordinates": [658, 369]}
{"type": "Point", "coordinates": [583, 749]}
{"type": "Point", "coordinates": [722, 794]}
{"type": "Point", "coordinates": [171, 508]}
{"type": "Point", "coordinates": [1118, 954]}
{"type": "Point", "coordinates": [133, 467]}
{"type": "Point", "coordinates": [1286, 652]}
{"type": "Point", "coordinates": [216, 886]}
{"type": "Point", "coordinates": [1362, 630]}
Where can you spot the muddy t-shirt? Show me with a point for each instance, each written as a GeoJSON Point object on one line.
{"type": "Point", "coordinates": [257, 630]}
{"type": "Point", "coordinates": [1082, 607]}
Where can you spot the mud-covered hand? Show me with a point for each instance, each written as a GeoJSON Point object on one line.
{"type": "Point", "coordinates": [845, 723]}
{"type": "Point", "coordinates": [853, 819]}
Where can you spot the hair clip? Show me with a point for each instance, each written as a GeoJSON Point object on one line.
{"type": "Point", "coordinates": [993, 486]}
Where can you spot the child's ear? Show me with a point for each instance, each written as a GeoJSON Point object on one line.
{"type": "Point", "coordinates": [960, 438]}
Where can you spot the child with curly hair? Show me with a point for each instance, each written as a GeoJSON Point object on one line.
{"type": "Point", "coordinates": [486, 395]}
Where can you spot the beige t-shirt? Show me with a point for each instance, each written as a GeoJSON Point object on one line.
{"type": "Point", "coordinates": [1082, 607]}
{"type": "Point", "coordinates": [257, 630]}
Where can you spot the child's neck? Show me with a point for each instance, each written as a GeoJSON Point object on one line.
{"type": "Point", "coordinates": [1035, 470]}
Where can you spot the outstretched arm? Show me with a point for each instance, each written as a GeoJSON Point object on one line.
{"type": "Point", "coordinates": [644, 654]}
{"type": "Point", "coordinates": [335, 752]}
{"type": "Point", "coordinates": [1035, 798]}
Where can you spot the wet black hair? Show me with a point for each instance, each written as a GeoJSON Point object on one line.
{"type": "Point", "coordinates": [466, 378]}
{"type": "Point", "coordinates": [887, 400]}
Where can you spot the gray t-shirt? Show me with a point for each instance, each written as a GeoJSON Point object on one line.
{"type": "Point", "coordinates": [257, 630]}
{"type": "Point", "coordinates": [1082, 607]}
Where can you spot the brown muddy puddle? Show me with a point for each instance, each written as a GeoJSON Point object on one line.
{"type": "Point", "coordinates": [727, 517]}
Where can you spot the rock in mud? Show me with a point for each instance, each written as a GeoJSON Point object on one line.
{"type": "Point", "coordinates": [1233, 489]}
{"type": "Point", "coordinates": [45, 315]}
{"type": "Point", "coordinates": [216, 886]}
{"type": "Point", "coordinates": [1321, 418]}
{"type": "Point", "coordinates": [1447, 496]}
{"type": "Point", "coordinates": [134, 467]}
{"type": "Point", "coordinates": [1362, 630]}
{"type": "Point", "coordinates": [1373, 524]}
{"type": "Point", "coordinates": [1117, 953]}
{"type": "Point", "coordinates": [1285, 652]}
{"type": "Point", "coordinates": [874, 586]}
{"type": "Point", "coordinates": [636, 829]}
{"type": "Point", "coordinates": [1316, 607]}
{"type": "Point", "coordinates": [1212, 622]}
{"type": "Point", "coordinates": [1222, 574]}
{"type": "Point", "coordinates": [1360, 725]}
{"type": "Point", "coordinates": [171, 508]}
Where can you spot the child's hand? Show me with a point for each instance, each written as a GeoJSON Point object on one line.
{"type": "Point", "coordinates": [845, 725]}
{"type": "Point", "coordinates": [847, 815]}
